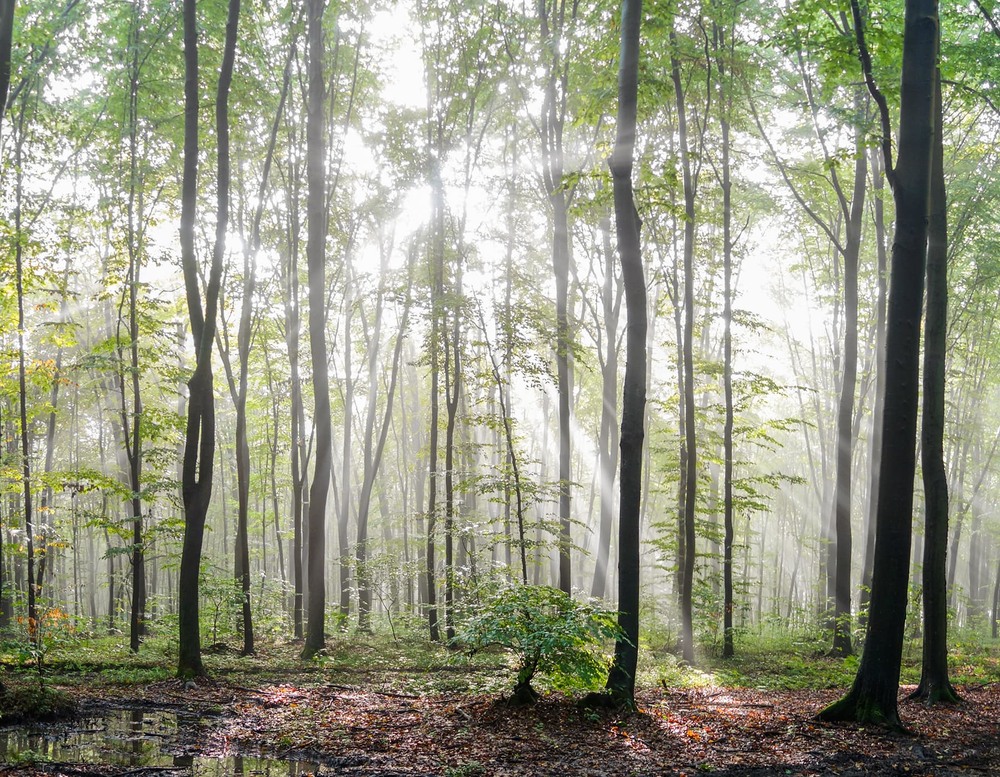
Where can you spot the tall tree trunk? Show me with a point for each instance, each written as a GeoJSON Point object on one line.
{"type": "Point", "coordinates": [878, 402]}
{"type": "Point", "coordinates": [316, 260]}
{"type": "Point", "coordinates": [872, 697]}
{"type": "Point", "coordinates": [25, 432]}
{"type": "Point", "coordinates": [199, 446]}
{"type": "Point", "coordinates": [296, 411]}
{"type": "Point", "coordinates": [552, 19]}
{"type": "Point", "coordinates": [436, 338]}
{"type": "Point", "coordinates": [607, 437]}
{"type": "Point", "coordinates": [690, 471]}
{"type": "Point", "coordinates": [344, 508]}
{"type": "Point", "coordinates": [374, 450]}
{"type": "Point", "coordinates": [842, 643]}
{"type": "Point", "coordinates": [131, 419]}
{"type": "Point", "coordinates": [621, 679]}
{"type": "Point", "coordinates": [723, 49]}
{"type": "Point", "coordinates": [934, 683]}
{"type": "Point", "coordinates": [453, 394]}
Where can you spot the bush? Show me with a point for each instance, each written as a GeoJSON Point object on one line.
{"type": "Point", "coordinates": [547, 632]}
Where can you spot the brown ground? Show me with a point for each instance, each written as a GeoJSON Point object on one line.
{"type": "Point", "coordinates": [351, 731]}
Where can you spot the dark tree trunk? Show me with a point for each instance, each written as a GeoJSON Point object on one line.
{"type": "Point", "coordinates": [131, 418]}
{"type": "Point", "coordinates": [29, 528]}
{"type": "Point", "coordinates": [316, 260]}
{"type": "Point", "coordinates": [621, 679]}
{"type": "Point", "coordinates": [872, 698]}
{"type": "Point", "coordinates": [199, 445]}
{"type": "Point", "coordinates": [934, 683]}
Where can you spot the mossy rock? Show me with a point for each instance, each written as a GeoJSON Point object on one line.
{"type": "Point", "coordinates": [30, 702]}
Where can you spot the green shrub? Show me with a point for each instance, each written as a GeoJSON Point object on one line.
{"type": "Point", "coordinates": [547, 632]}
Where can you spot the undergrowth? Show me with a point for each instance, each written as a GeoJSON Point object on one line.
{"type": "Point", "coordinates": [411, 664]}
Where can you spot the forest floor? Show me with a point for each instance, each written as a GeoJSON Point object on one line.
{"type": "Point", "coordinates": [388, 715]}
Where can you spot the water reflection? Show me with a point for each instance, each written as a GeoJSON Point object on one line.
{"type": "Point", "coordinates": [134, 738]}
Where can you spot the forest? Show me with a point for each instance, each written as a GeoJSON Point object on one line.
{"type": "Point", "coordinates": [424, 358]}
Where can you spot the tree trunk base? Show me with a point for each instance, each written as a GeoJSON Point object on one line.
{"type": "Point", "coordinates": [862, 708]}
{"type": "Point", "coordinates": [523, 695]}
{"type": "Point", "coordinates": [936, 692]}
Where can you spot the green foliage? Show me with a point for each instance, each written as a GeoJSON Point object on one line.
{"type": "Point", "coordinates": [222, 599]}
{"type": "Point", "coordinates": [546, 631]}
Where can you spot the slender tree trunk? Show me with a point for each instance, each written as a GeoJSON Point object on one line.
{"type": "Point", "coordinates": [996, 602]}
{"type": "Point", "coordinates": [316, 259]}
{"type": "Point", "coordinates": [199, 447]}
{"type": "Point", "coordinates": [878, 403]}
{"type": "Point", "coordinates": [453, 394]}
{"type": "Point", "coordinates": [842, 643]}
{"type": "Point", "coordinates": [25, 432]}
{"type": "Point", "coordinates": [132, 419]}
{"type": "Point", "coordinates": [344, 508]}
{"type": "Point", "coordinates": [934, 683]}
{"type": "Point", "coordinates": [373, 458]}
{"type": "Point", "coordinates": [690, 472]}
{"type": "Point", "coordinates": [725, 100]}
{"type": "Point", "coordinates": [553, 19]}
{"type": "Point", "coordinates": [607, 436]}
{"type": "Point", "coordinates": [621, 679]}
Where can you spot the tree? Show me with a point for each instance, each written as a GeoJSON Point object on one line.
{"type": "Point", "coordinates": [872, 698]}
{"type": "Point", "coordinates": [199, 441]}
{"type": "Point", "coordinates": [934, 683]}
{"type": "Point", "coordinates": [724, 47]}
{"type": "Point", "coordinates": [238, 386]}
{"type": "Point", "coordinates": [621, 679]}
{"type": "Point", "coordinates": [316, 260]}
{"type": "Point", "coordinates": [554, 20]}
{"type": "Point", "coordinates": [689, 476]}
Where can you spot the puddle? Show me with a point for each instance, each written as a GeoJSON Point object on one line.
{"type": "Point", "coordinates": [135, 739]}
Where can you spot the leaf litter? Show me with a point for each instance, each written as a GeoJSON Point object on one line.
{"type": "Point", "coordinates": [355, 730]}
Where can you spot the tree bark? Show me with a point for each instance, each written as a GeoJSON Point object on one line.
{"type": "Point", "coordinates": [872, 698]}
{"type": "Point", "coordinates": [725, 102]}
{"type": "Point", "coordinates": [934, 683]}
{"type": "Point", "coordinates": [316, 260]}
{"type": "Point", "coordinates": [878, 403]}
{"type": "Point", "coordinates": [621, 679]}
{"type": "Point", "coordinates": [842, 643]}
{"type": "Point", "coordinates": [690, 471]}
{"type": "Point", "coordinates": [199, 445]}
